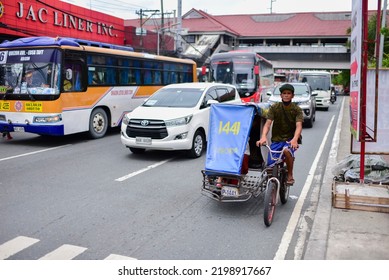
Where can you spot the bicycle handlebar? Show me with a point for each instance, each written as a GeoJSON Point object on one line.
{"type": "Point", "coordinates": [277, 159]}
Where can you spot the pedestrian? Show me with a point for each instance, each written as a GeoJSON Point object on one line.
{"type": "Point", "coordinates": [7, 134]}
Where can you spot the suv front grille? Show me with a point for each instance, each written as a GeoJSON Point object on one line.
{"type": "Point", "coordinates": [155, 129]}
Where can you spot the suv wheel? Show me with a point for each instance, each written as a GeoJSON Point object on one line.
{"type": "Point", "coordinates": [197, 145]}
{"type": "Point", "coordinates": [309, 122]}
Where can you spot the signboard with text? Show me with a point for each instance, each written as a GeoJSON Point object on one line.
{"type": "Point", "coordinates": [55, 18]}
{"type": "Point", "coordinates": [381, 146]}
{"type": "Point", "coordinates": [355, 67]}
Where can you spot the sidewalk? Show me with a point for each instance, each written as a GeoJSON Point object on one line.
{"type": "Point", "coordinates": [340, 234]}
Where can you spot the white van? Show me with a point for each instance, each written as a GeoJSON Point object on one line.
{"type": "Point", "coordinates": [320, 82]}
{"type": "Point", "coordinates": [175, 117]}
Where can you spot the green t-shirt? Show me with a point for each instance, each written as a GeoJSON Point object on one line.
{"type": "Point", "coordinates": [284, 120]}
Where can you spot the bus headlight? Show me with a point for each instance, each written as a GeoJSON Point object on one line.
{"type": "Point", "coordinates": [48, 119]}
{"type": "Point", "coordinates": [179, 121]}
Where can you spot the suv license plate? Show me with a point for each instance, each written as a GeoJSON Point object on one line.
{"type": "Point", "coordinates": [230, 191]}
{"type": "Point", "coordinates": [143, 140]}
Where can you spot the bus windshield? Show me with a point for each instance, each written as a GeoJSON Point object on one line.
{"type": "Point", "coordinates": [237, 71]}
{"type": "Point", "coordinates": [30, 74]}
{"type": "Point", "coordinates": [250, 73]}
{"type": "Point", "coordinates": [317, 82]}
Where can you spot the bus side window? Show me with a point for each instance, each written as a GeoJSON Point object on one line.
{"type": "Point", "coordinates": [157, 75]}
{"type": "Point", "coordinates": [136, 72]}
{"type": "Point", "coordinates": [96, 78]}
{"type": "Point", "coordinates": [110, 76]}
{"type": "Point", "coordinates": [147, 77]}
{"type": "Point", "coordinates": [72, 76]}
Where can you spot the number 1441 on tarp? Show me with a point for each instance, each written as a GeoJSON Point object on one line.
{"type": "Point", "coordinates": [227, 128]}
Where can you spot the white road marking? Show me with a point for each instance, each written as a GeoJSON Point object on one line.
{"type": "Point", "coordinates": [142, 170]}
{"type": "Point", "coordinates": [288, 234]}
{"type": "Point", "coordinates": [15, 245]}
{"type": "Point", "coordinates": [33, 153]}
{"type": "Point", "coordinates": [118, 257]}
{"type": "Point", "coordinates": [65, 252]}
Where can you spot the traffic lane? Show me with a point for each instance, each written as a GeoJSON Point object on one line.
{"type": "Point", "coordinates": [23, 143]}
{"type": "Point", "coordinates": [136, 201]}
{"type": "Point", "coordinates": [70, 187]}
{"type": "Point", "coordinates": [43, 181]}
{"type": "Point", "coordinates": [168, 218]}
{"type": "Point", "coordinates": [57, 192]}
{"type": "Point", "coordinates": [198, 236]}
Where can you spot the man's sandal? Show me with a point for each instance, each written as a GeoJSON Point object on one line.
{"type": "Point", "coordinates": [290, 182]}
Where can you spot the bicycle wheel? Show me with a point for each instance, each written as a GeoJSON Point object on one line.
{"type": "Point", "coordinates": [284, 188]}
{"type": "Point", "coordinates": [270, 202]}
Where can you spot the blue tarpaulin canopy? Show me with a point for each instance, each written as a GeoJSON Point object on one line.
{"type": "Point", "coordinates": [229, 130]}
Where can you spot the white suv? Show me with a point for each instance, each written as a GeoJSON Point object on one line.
{"type": "Point", "coordinates": [175, 117]}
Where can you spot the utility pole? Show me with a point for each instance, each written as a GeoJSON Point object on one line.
{"type": "Point", "coordinates": [179, 28]}
{"type": "Point", "coordinates": [141, 14]}
{"type": "Point", "coordinates": [271, 5]}
{"type": "Point", "coordinates": [161, 39]}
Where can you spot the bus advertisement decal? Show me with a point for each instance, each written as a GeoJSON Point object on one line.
{"type": "Point", "coordinates": [34, 107]}
{"type": "Point", "coordinates": [5, 105]}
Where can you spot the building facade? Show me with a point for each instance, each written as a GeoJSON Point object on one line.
{"type": "Point", "coordinates": [294, 40]}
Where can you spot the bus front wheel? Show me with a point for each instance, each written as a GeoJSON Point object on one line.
{"type": "Point", "coordinates": [98, 123]}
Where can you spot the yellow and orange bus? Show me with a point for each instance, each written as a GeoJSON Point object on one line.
{"type": "Point", "coordinates": [60, 86]}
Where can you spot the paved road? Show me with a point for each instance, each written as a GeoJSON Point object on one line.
{"type": "Point", "coordinates": [75, 198]}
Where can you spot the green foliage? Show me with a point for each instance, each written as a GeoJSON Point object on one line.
{"type": "Point", "coordinates": [342, 79]}
{"type": "Point", "coordinates": [372, 27]}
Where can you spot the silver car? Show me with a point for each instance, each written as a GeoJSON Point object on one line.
{"type": "Point", "coordinates": [303, 96]}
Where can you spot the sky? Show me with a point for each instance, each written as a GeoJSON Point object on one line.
{"type": "Point", "coordinates": [127, 9]}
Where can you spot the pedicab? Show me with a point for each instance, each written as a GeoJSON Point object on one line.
{"type": "Point", "coordinates": [230, 175]}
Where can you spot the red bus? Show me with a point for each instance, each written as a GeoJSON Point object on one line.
{"type": "Point", "coordinates": [252, 74]}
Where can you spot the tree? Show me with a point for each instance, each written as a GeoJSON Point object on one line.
{"type": "Point", "coordinates": [372, 57]}
{"type": "Point", "coordinates": [343, 78]}
{"type": "Point", "coordinates": [371, 36]}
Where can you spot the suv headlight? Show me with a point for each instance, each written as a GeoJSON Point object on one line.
{"type": "Point", "coordinates": [126, 119]}
{"type": "Point", "coordinates": [305, 102]}
{"type": "Point", "coordinates": [179, 121]}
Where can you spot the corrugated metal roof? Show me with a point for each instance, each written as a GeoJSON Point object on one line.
{"type": "Point", "coordinates": [288, 25]}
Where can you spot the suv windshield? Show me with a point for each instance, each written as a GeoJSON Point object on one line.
{"type": "Point", "coordinates": [175, 97]}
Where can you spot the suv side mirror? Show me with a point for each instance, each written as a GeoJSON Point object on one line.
{"type": "Point", "coordinates": [212, 101]}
